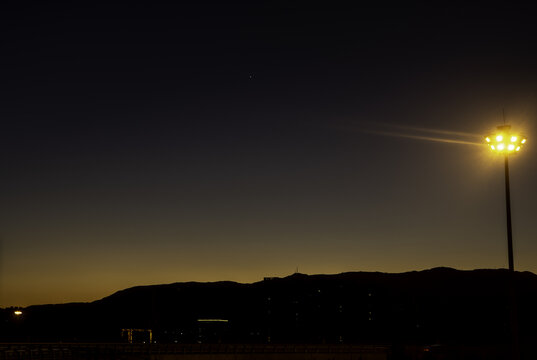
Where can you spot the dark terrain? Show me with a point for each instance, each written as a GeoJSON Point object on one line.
{"type": "Point", "coordinates": [437, 306]}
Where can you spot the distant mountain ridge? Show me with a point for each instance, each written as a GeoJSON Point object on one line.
{"type": "Point", "coordinates": [436, 305]}
{"type": "Point", "coordinates": [438, 272]}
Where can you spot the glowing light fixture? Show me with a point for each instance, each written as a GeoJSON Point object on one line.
{"type": "Point", "coordinates": [17, 312]}
{"type": "Point", "coordinates": [497, 141]}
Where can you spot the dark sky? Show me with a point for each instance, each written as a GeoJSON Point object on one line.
{"type": "Point", "coordinates": [154, 142]}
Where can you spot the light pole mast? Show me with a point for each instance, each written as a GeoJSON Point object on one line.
{"type": "Point", "coordinates": [506, 143]}
{"type": "Point", "coordinates": [508, 210]}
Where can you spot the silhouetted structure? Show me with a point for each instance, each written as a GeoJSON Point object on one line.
{"type": "Point", "coordinates": [438, 306]}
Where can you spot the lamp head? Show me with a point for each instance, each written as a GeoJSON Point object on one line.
{"type": "Point", "coordinates": [503, 141]}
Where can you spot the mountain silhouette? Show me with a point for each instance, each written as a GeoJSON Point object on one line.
{"type": "Point", "coordinates": [440, 305]}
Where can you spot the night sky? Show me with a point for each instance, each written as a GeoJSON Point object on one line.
{"type": "Point", "coordinates": [156, 142]}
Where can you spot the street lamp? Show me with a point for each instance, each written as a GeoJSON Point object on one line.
{"type": "Point", "coordinates": [505, 142]}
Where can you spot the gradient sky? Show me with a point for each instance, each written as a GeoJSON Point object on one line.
{"type": "Point", "coordinates": [148, 143]}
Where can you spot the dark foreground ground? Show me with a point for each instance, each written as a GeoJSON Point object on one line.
{"type": "Point", "coordinates": [87, 351]}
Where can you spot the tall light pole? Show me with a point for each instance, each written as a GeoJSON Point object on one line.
{"type": "Point", "coordinates": [506, 143]}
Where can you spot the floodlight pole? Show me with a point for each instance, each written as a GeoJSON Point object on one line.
{"type": "Point", "coordinates": [508, 209]}
{"type": "Point", "coordinates": [511, 144]}
{"type": "Point", "coordinates": [515, 350]}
